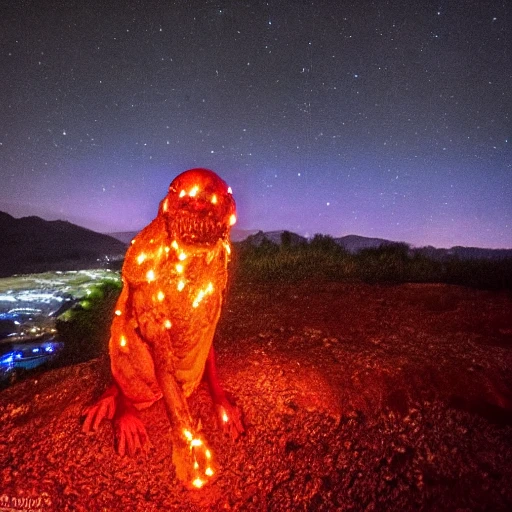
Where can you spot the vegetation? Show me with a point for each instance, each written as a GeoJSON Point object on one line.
{"type": "Point", "coordinates": [323, 258]}
{"type": "Point", "coordinates": [85, 328]}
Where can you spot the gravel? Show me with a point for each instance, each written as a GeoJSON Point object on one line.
{"type": "Point", "coordinates": [355, 397]}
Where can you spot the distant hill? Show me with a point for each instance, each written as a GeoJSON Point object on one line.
{"type": "Point", "coordinates": [31, 244]}
{"type": "Point", "coordinates": [354, 244]}
{"type": "Point", "coordinates": [124, 236]}
{"type": "Point", "coordinates": [238, 235]}
{"type": "Point", "coordinates": [275, 237]}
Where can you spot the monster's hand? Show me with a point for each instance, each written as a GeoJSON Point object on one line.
{"type": "Point", "coordinates": [105, 407]}
{"type": "Point", "coordinates": [131, 435]}
{"type": "Point", "coordinates": [192, 459]}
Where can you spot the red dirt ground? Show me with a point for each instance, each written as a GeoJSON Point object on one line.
{"type": "Point", "coordinates": [356, 397]}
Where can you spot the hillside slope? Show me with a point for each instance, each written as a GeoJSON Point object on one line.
{"type": "Point", "coordinates": [32, 244]}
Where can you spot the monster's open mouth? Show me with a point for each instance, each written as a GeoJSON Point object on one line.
{"type": "Point", "coordinates": [194, 229]}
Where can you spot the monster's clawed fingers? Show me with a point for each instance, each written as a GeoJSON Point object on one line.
{"type": "Point", "coordinates": [131, 435]}
{"type": "Point", "coordinates": [94, 414]}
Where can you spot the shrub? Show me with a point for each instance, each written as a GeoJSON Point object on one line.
{"type": "Point", "coordinates": [85, 328]}
{"type": "Point", "coordinates": [322, 257]}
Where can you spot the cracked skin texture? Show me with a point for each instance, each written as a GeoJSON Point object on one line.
{"type": "Point", "coordinates": [174, 277]}
{"type": "Point", "coordinates": [147, 307]}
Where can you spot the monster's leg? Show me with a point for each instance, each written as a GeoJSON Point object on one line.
{"type": "Point", "coordinates": [229, 415]}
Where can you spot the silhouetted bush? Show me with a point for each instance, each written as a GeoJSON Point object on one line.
{"type": "Point", "coordinates": [322, 257]}
{"type": "Point", "coordinates": [85, 328]}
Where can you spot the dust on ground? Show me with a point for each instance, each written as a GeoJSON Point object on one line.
{"type": "Point", "coordinates": [355, 396]}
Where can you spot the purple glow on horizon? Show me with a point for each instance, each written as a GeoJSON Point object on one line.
{"type": "Point", "coordinates": [381, 120]}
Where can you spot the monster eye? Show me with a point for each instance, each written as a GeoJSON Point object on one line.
{"type": "Point", "coordinates": [182, 193]}
{"type": "Point", "coordinates": [194, 191]}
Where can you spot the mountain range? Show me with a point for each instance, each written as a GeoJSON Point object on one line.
{"type": "Point", "coordinates": [353, 244]}
{"type": "Point", "coordinates": [31, 244]}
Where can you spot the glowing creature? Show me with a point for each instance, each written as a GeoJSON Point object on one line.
{"type": "Point", "coordinates": [174, 276]}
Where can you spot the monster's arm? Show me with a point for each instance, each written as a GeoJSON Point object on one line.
{"type": "Point", "coordinates": [175, 401]}
{"type": "Point", "coordinates": [190, 455]}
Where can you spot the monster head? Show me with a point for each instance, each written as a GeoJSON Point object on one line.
{"type": "Point", "coordinates": [199, 208]}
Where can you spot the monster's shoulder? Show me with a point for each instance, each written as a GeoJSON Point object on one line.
{"type": "Point", "coordinates": [144, 253]}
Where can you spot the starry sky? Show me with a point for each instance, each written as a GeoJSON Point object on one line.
{"type": "Point", "coordinates": [378, 118]}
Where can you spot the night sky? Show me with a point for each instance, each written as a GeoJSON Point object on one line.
{"type": "Point", "coordinates": [378, 118]}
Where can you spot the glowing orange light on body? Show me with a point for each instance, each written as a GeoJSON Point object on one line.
{"type": "Point", "coordinates": [201, 295]}
{"type": "Point", "coordinates": [193, 443]}
{"type": "Point", "coordinates": [176, 277]}
{"type": "Point", "coordinates": [198, 483]}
